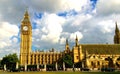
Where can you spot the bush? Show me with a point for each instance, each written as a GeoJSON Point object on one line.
{"type": "Point", "coordinates": [107, 69]}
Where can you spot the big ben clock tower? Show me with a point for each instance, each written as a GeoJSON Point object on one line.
{"type": "Point", "coordinates": [26, 40]}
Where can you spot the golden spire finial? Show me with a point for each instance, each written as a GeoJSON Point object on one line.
{"type": "Point", "coordinates": [26, 13]}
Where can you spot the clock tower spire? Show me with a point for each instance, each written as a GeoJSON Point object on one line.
{"type": "Point", "coordinates": [26, 39]}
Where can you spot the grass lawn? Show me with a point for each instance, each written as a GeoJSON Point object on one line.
{"type": "Point", "coordinates": [62, 72]}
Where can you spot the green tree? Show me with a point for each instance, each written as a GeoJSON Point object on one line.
{"type": "Point", "coordinates": [0, 65]}
{"type": "Point", "coordinates": [10, 61]}
{"type": "Point", "coordinates": [68, 60]}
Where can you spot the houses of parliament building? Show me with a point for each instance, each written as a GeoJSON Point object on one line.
{"type": "Point", "coordinates": [88, 55]}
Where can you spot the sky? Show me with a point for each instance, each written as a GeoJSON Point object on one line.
{"type": "Point", "coordinates": [54, 21]}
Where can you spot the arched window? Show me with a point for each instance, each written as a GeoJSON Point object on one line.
{"type": "Point", "coordinates": [92, 63]}
{"type": "Point", "coordinates": [98, 63]}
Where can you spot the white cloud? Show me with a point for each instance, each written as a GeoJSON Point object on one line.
{"type": "Point", "coordinates": [14, 40]}
{"type": "Point", "coordinates": [8, 38]}
{"type": "Point", "coordinates": [77, 5]}
{"type": "Point", "coordinates": [58, 5]}
{"type": "Point", "coordinates": [8, 30]}
{"type": "Point", "coordinates": [105, 7]}
{"type": "Point", "coordinates": [52, 27]}
{"type": "Point", "coordinates": [88, 25]}
{"type": "Point", "coordinates": [62, 40]}
{"type": "Point", "coordinates": [106, 26]}
{"type": "Point", "coordinates": [79, 19]}
{"type": "Point", "coordinates": [11, 10]}
{"type": "Point", "coordinates": [73, 35]}
{"type": "Point", "coordinates": [52, 30]}
{"type": "Point", "coordinates": [3, 44]}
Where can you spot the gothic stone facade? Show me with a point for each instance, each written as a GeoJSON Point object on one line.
{"type": "Point", "coordinates": [27, 57]}
{"type": "Point", "coordinates": [88, 55]}
{"type": "Point", "coordinates": [98, 55]}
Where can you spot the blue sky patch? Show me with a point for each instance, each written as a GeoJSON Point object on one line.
{"type": "Point", "coordinates": [93, 2]}
{"type": "Point", "coordinates": [66, 13]}
{"type": "Point", "coordinates": [34, 25]}
{"type": "Point", "coordinates": [38, 15]}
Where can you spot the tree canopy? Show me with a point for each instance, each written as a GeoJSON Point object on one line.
{"type": "Point", "coordinates": [67, 59]}
{"type": "Point", "coordinates": [10, 60]}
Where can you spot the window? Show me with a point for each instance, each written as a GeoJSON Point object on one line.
{"type": "Point", "coordinates": [92, 63]}
{"type": "Point", "coordinates": [77, 57]}
{"type": "Point", "coordinates": [98, 63]}
{"type": "Point", "coordinates": [93, 56]}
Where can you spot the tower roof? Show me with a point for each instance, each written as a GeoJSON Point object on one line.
{"type": "Point", "coordinates": [66, 41]}
{"type": "Point", "coordinates": [103, 49]}
{"type": "Point", "coordinates": [26, 17]}
{"type": "Point", "coordinates": [76, 38]}
{"type": "Point", "coordinates": [76, 41]}
{"type": "Point", "coordinates": [116, 29]}
{"type": "Point", "coordinates": [26, 14]}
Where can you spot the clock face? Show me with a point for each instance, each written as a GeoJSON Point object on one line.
{"type": "Point", "coordinates": [25, 28]}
